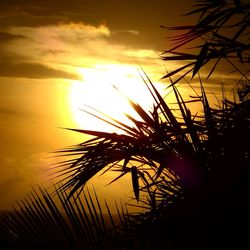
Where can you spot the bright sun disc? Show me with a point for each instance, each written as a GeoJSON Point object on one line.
{"type": "Point", "coordinates": [97, 91]}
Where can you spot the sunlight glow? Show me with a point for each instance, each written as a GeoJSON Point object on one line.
{"type": "Point", "coordinates": [96, 90]}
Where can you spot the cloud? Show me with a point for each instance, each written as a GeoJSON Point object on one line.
{"type": "Point", "coordinates": [130, 38]}
{"type": "Point", "coordinates": [7, 37]}
{"type": "Point", "coordinates": [77, 45]}
{"type": "Point", "coordinates": [58, 51]}
{"type": "Point", "coordinates": [55, 51]}
{"type": "Point", "coordinates": [11, 112]}
{"type": "Point", "coordinates": [79, 32]}
{"type": "Point", "coordinates": [118, 15]}
{"type": "Point", "coordinates": [33, 70]}
{"type": "Point", "coordinates": [59, 38]}
{"type": "Point", "coordinates": [39, 13]}
{"type": "Point", "coordinates": [18, 60]}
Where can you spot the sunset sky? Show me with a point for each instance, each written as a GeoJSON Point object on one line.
{"type": "Point", "coordinates": [56, 56]}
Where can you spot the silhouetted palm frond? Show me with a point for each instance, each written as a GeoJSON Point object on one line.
{"type": "Point", "coordinates": [215, 208]}
{"type": "Point", "coordinates": [221, 32]}
{"type": "Point", "coordinates": [43, 221]}
{"type": "Point", "coordinates": [151, 149]}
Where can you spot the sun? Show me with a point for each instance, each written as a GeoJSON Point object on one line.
{"type": "Point", "coordinates": [106, 88]}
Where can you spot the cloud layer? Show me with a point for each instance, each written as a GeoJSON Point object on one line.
{"type": "Point", "coordinates": [55, 51]}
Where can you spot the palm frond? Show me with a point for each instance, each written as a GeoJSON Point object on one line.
{"type": "Point", "coordinates": [43, 221]}
{"type": "Point", "coordinates": [221, 32]}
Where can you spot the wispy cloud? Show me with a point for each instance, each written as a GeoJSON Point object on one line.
{"type": "Point", "coordinates": [33, 70]}
{"type": "Point", "coordinates": [54, 51]}
{"type": "Point", "coordinates": [7, 37]}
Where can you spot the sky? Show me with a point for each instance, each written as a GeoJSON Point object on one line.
{"type": "Point", "coordinates": [57, 56]}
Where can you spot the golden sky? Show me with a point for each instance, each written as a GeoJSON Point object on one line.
{"type": "Point", "coordinates": [56, 56]}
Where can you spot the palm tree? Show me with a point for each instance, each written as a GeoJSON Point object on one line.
{"type": "Point", "coordinates": [188, 166]}
{"type": "Point", "coordinates": [158, 135]}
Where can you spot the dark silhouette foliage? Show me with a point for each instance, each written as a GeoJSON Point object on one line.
{"type": "Point", "coordinates": [220, 34]}
{"type": "Point", "coordinates": [193, 169]}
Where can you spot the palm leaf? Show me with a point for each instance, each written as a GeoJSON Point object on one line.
{"type": "Point", "coordinates": [135, 181]}
{"type": "Point", "coordinates": [39, 222]}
